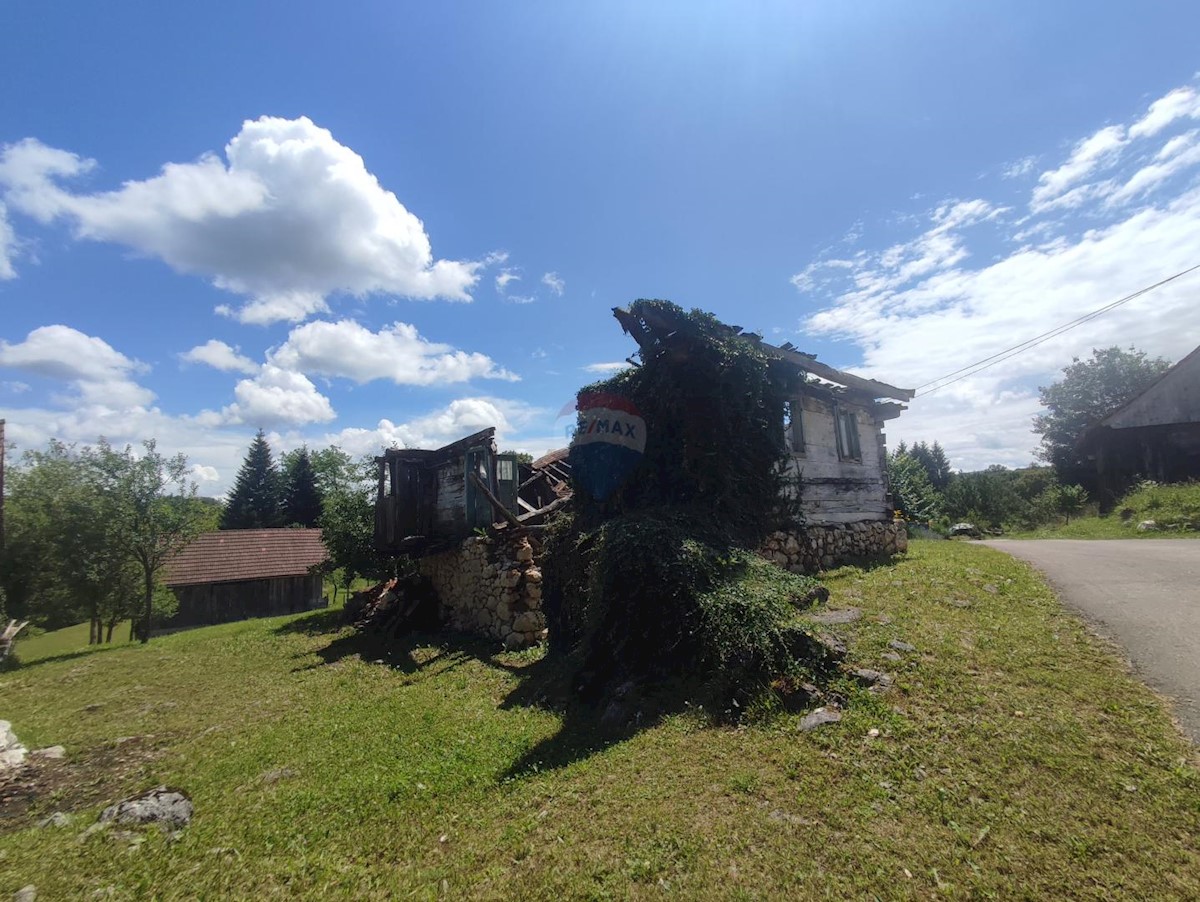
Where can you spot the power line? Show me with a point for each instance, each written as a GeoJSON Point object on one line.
{"type": "Point", "coordinates": [1000, 356]}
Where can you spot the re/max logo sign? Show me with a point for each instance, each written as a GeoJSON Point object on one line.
{"type": "Point", "coordinates": [616, 427]}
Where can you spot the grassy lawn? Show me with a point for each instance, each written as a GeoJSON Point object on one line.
{"type": "Point", "coordinates": [72, 641]}
{"type": "Point", "coordinates": [1015, 759]}
{"type": "Point", "coordinates": [1110, 527]}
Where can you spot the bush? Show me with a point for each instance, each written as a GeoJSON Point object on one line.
{"type": "Point", "coordinates": [662, 593]}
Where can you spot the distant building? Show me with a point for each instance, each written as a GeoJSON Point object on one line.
{"type": "Point", "coordinates": [235, 574]}
{"type": "Point", "coordinates": [1156, 435]}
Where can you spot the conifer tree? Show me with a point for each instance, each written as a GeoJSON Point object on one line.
{"type": "Point", "coordinates": [301, 497]}
{"type": "Point", "coordinates": [255, 502]}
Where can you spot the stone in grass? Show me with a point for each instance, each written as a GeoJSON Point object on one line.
{"type": "Point", "coordinates": [12, 752]}
{"type": "Point", "coordinates": [57, 819]}
{"type": "Point", "coordinates": [794, 695]}
{"type": "Point", "coordinates": [25, 894]}
{"type": "Point", "coordinates": [168, 808]}
{"type": "Point", "coordinates": [52, 752]}
{"type": "Point", "coordinates": [891, 656]}
{"type": "Point", "coordinates": [873, 679]}
{"type": "Point", "coordinates": [900, 645]}
{"type": "Point", "coordinates": [819, 718]}
{"type": "Point", "coordinates": [830, 618]}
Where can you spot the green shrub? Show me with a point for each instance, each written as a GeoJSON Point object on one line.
{"type": "Point", "coordinates": [663, 593]}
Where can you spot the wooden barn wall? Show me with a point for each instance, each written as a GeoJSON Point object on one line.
{"type": "Point", "coordinates": [208, 603]}
{"type": "Point", "coordinates": [835, 490]}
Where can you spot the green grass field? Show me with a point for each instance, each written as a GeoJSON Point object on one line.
{"type": "Point", "coordinates": [1016, 758]}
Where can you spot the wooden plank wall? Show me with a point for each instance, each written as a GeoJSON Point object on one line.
{"type": "Point", "coordinates": [835, 490]}
{"type": "Point", "coordinates": [223, 602]}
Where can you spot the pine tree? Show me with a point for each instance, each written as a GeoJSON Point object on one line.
{"type": "Point", "coordinates": [301, 498]}
{"type": "Point", "coordinates": [254, 502]}
{"type": "Point", "coordinates": [934, 460]}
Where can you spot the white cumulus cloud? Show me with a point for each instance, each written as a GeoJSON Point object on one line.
{"type": "Point", "coordinates": [288, 218]}
{"type": "Point", "coordinates": [220, 356]}
{"type": "Point", "coordinates": [97, 371]}
{"type": "Point", "coordinates": [458, 419]}
{"type": "Point", "coordinates": [349, 350]}
{"type": "Point", "coordinates": [554, 282]}
{"type": "Point", "coordinates": [277, 397]}
{"type": "Point", "coordinates": [8, 246]}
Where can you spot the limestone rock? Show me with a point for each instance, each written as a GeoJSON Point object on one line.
{"type": "Point", "coordinates": [900, 645]}
{"type": "Point", "coordinates": [168, 808]}
{"type": "Point", "coordinates": [52, 752]}
{"type": "Point", "coordinates": [12, 753]}
{"type": "Point", "coordinates": [819, 718]}
{"type": "Point", "coordinates": [873, 679]}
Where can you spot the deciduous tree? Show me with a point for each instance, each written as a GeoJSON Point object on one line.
{"type": "Point", "coordinates": [1088, 391]}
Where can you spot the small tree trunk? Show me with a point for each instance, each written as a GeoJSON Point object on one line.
{"type": "Point", "coordinates": [149, 605]}
{"type": "Point", "coordinates": [111, 626]}
{"type": "Point", "coordinates": [132, 621]}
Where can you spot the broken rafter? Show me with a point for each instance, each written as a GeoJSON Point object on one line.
{"type": "Point", "coordinates": [495, 502]}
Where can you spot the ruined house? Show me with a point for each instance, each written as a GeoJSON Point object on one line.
{"type": "Point", "coordinates": [429, 500]}
{"type": "Point", "coordinates": [837, 456]}
{"type": "Point", "coordinates": [1155, 435]}
{"type": "Point", "coordinates": [471, 516]}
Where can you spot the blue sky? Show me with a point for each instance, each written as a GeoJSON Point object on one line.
{"type": "Point", "coordinates": [397, 223]}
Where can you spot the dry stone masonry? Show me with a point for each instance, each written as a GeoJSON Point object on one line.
{"type": "Point", "coordinates": [491, 586]}
{"type": "Point", "coordinates": [816, 548]}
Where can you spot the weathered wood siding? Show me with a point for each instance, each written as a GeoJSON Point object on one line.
{"type": "Point", "coordinates": [833, 490]}
{"type": "Point", "coordinates": [207, 603]}
{"type": "Point", "coordinates": [450, 502]}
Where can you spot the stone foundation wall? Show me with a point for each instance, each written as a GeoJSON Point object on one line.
{"type": "Point", "coordinates": [815, 548]}
{"type": "Point", "coordinates": [491, 587]}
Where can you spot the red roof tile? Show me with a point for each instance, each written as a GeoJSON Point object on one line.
{"type": "Point", "coordinates": [233, 555]}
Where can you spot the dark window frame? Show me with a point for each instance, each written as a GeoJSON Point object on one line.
{"type": "Point", "coordinates": [849, 444]}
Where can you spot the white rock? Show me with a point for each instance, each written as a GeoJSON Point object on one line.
{"type": "Point", "coordinates": [12, 753]}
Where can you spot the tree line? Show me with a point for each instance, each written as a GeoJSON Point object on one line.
{"type": "Point", "coordinates": [926, 490]}
{"type": "Point", "coordinates": [89, 530]}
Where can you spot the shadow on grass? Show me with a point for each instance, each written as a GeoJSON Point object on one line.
{"type": "Point", "coordinates": [545, 683]}
{"type": "Point", "coordinates": [590, 727]}
{"type": "Point", "coordinates": [17, 663]}
{"type": "Point", "coordinates": [313, 623]}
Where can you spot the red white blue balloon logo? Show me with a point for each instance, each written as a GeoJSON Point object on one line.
{"type": "Point", "coordinates": [608, 442]}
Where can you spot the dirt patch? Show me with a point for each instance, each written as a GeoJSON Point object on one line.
{"type": "Point", "coordinates": [85, 779]}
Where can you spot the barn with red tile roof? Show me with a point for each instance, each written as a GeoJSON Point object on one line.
{"type": "Point", "coordinates": [238, 573]}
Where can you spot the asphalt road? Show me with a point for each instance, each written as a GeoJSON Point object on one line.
{"type": "Point", "coordinates": [1144, 594]}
